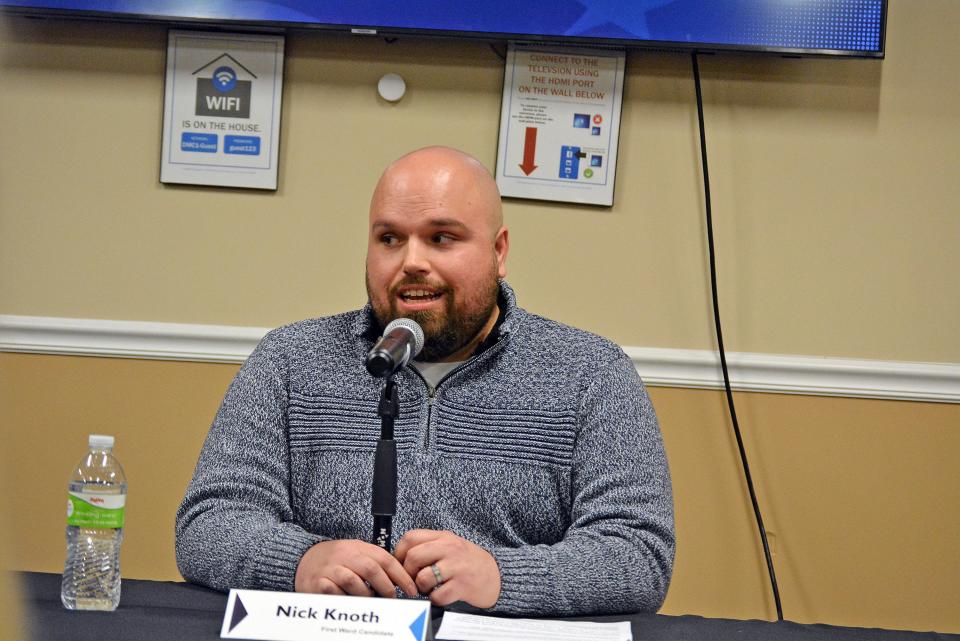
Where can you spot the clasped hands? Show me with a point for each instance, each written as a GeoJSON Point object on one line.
{"type": "Point", "coordinates": [468, 572]}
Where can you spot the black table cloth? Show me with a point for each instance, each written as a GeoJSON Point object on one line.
{"type": "Point", "coordinates": [168, 611]}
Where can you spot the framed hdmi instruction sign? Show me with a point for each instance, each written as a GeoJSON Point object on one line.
{"type": "Point", "coordinates": [221, 115]}
{"type": "Point", "coordinates": [560, 123]}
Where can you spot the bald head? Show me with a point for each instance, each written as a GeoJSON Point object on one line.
{"type": "Point", "coordinates": [447, 177]}
{"type": "Point", "coordinates": [436, 249]}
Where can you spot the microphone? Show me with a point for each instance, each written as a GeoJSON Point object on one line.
{"type": "Point", "coordinates": [401, 341]}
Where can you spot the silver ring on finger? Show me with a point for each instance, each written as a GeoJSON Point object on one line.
{"type": "Point", "coordinates": [437, 576]}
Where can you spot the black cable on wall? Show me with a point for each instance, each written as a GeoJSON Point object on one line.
{"type": "Point", "coordinates": [723, 355]}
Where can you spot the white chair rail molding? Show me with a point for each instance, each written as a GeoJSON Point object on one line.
{"type": "Point", "coordinates": [660, 367]}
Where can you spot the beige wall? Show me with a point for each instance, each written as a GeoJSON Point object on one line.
{"type": "Point", "coordinates": [11, 619]}
{"type": "Point", "coordinates": [835, 198]}
{"type": "Point", "coordinates": [860, 496]}
{"type": "Point", "coordinates": [834, 191]}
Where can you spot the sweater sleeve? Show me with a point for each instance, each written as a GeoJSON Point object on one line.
{"type": "Point", "coordinates": [235, 527]}
{"type": "Point", "coordinates": [617, 555]}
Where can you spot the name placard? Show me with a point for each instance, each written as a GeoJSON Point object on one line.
{"type": "Point", "coordinates": [292, 616]}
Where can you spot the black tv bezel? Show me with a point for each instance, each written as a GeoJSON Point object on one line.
{"type": "Point", "coordinates": [374, 30]}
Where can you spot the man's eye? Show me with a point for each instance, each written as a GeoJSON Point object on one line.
{"type": "Point", "coordinates": [388, 239]}
{"type": "Point", "coordinates": [441, 239]}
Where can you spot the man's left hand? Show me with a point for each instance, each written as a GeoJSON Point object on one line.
{"type": "Point", "coordinates": [467, 572]}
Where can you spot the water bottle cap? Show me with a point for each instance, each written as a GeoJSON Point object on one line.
{"type": "Point", "coordinates": [101, 442]}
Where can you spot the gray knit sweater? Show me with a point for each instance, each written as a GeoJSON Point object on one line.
{"type": "Point", "coordinates": [544, 449]}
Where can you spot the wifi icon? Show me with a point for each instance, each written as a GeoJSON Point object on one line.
{"type": "Point", "coordinates": [224, 79]}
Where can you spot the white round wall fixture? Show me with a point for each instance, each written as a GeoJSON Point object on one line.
{"type": "Point", "coordinates": [391, 87]}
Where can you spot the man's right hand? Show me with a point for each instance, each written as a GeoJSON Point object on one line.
{"type": "Point", "coordinates": [351, 567]}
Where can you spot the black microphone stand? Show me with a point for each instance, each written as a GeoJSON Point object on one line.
{"type": "Point", "coordinates": [384, 503]}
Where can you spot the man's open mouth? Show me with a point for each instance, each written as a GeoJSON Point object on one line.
{"type": "Point", "coordinates": [419, 295]}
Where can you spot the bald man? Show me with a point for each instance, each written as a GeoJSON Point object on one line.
{"type": "Point", "coordinates": [532, 477]}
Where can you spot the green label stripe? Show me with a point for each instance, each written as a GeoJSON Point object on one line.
{"type": "Point", "coordinates": [80, 513]}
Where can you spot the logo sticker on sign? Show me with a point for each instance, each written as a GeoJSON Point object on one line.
{"type": "Point", "coordinates": [223, 94]}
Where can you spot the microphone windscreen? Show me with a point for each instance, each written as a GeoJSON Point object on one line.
{"type": "Point", "coordinates": [415, 329]}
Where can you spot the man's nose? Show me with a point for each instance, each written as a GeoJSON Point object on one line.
{"type": "Point", "coordinates": [415, 258]}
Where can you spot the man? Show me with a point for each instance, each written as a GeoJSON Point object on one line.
{"type": "Point", "coordinates": [532, 477]}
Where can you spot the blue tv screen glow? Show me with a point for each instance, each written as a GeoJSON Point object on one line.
{"type": "Point", "coordinates": [809, 27]}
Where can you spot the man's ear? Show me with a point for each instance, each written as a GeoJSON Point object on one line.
{"type": "Point", "coordinates": [501, 246]}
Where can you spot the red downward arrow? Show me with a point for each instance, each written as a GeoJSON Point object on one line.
{"type": "Point", "coordinates": [529, 151]}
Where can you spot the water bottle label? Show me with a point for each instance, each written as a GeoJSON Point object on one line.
{"type": "Point", "coordinates": [89, 509]}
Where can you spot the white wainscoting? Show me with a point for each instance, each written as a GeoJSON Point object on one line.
{"type": "Point", "coordinates": [814, 375]}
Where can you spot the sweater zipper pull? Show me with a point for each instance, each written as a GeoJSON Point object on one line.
{"type": "Point", "coordinates": [431, 392]}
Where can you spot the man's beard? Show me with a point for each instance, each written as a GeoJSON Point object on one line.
{"type": "Point", "coordinates": [446, 331]}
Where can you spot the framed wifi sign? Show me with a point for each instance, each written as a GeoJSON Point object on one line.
{"type": "Point", "coordinates": [221, 115]}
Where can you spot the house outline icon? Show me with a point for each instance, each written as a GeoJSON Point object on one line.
{"type": "Point", "coordinates": [224, 55]}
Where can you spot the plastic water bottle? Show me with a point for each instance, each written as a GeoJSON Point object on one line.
{"type": "Point", "coordinates": [95, 503]}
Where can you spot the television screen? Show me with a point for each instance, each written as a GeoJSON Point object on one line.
{"type": "Point", "coordinates": [802, 27]}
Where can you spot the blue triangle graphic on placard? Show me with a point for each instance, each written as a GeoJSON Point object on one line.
{"type": "Point", "coordinates": [418, 625]}
{"type": "Point", "coordinates": [239, 613]}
